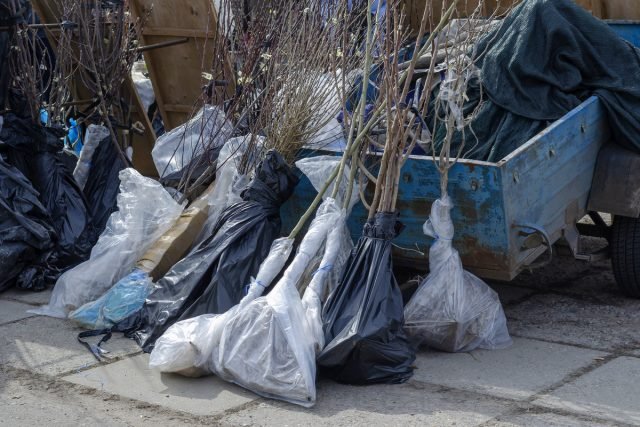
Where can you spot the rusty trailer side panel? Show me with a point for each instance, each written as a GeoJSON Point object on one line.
{"type": "Point", "coordinates": [543, 185]}
{"type": "Point", "coordinates": [540, 190]}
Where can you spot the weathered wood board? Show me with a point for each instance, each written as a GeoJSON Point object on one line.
{"type": "Point", "coordinates": [176, 71]}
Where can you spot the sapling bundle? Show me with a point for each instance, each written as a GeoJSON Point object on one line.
{"type": "Point", "coordinates": [266, 344]}
{"type": "Point", "coordinates": [363, 344]}
{"type": "Point", "coordinates": [366, 345]}
{"type": "Point", "coordinates": [211, 278]}
{"type": "Point", "coordinates": [292, 67]}
{"type": "Point", "coordinates": [30, 66]}
{"type": "Point", "coordinates": [105, 46]}
{"type": "Point", "coordinates": [452, 310]}
{"type": "Point", "coordinates": [214, 283]}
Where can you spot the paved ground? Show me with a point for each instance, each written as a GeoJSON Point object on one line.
{"type": "Point", "coordinates": [575, 361]}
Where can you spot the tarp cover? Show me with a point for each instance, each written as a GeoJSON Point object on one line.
{"type": "Point", "coordinates": [212, 278]}
{"type": "Point", "coordinates": [540, 62]}
{"type": "Point", "coordinates": [363, 317]}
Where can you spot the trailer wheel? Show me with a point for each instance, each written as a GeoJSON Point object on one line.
{"type": "Point", "coordinates": [625, 254]}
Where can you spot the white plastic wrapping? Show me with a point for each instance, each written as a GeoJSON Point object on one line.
{"type": "Point", "coordinates": [268, 346]}
{"type": "Point", "coordinates": [186, 346]}
{"type": "Point", "coordinates": [143, 84]}
{"type": "Point", "coordinates": [94, 135]}
{"type": "Point", "coordinates": [175, 149]}
{"type": "Point", "coordinates": [145, 212]}
{"type": "Point", "coordinates": [229, 181]}
{"type": "Point", "coordinates": [316, 291]}
{"type": "Point", "coordinates": [453, 310]}
{"type": "Point", "coordinates": [264, 344]}
{"type": "Point", "coordinates": [330, 134]}
{"type": "Point", "coordinates": [317, 169]}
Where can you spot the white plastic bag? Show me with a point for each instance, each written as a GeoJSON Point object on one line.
{"type": "Point", "coordinates": [268, 346]}
{"type": "Point", "coordinates": [145, 212]}
{"type": "Point", "coordinates": [175, 149]}
{"type": "Point", "coordinates": [453, 310]}
{"type": "Point", "coordinates": [143, 84]}
{"type": "Point", "coordinates": [316, 291]}
{"type": "Point", "coordinates": [185, 347]}
{"type": "Point", "coordinates": [229, 181]}
{"type": "Point", "coordinates": [317, 169]}
{"type": "Point", "coordinates": [95, 134]}
{"type": "Point", "coordinates": [264, 344]}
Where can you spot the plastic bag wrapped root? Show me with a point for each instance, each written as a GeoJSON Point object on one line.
{"type": "Point", "coordinates": [453, 310]}
{"type": "Point", "coordinates": [268, 346]}
{"type": "Point", "coordinates": [185, 348]}
{"type": "Point", "coordinates": [145, 212]}
{"type": "Point", "coordinates": [95, 134]}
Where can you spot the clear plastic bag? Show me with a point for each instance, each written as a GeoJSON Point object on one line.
{"type": "Point", "coordinates": [332, 260]}
{"type": "Point", "coordinates": [175, 149]}
{"type": "Point", "coordinates": [94, 135]}
{"type": "Point", "coordinates": [185, 347]}
{"type": "Point", "coordinates": [268, 346]}
{"type": "Point", "coordinates": [143, 85]}
{"type": "Point", "coordinates": [229, 181]}
{"type": "Point", "coordinates": [453, 310]}
{"type": "Point", "coordinates": [122, 300]}
{"type": "Point", "coordinates": [317, 169]}
{"type": "Point", "coordinates": [265, 344]}
{"type": "Point", "coordinates": [145, 212]}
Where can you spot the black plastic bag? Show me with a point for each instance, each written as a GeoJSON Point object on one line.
{"type": "Point", "coordinates": [212, 278]}
{"type": "Point", "coordinates": [103, 184]}
{"type": "Point", "coordinates": [192, 172]}
{"type": "Point", "coordinates": [363, 318]}
{"type": "Point", "coordinates": [26, 237]}
{"type": "Point", "coordinates": [36, 151]}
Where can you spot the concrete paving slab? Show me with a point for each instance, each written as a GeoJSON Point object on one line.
{"type": "Point", "coordinates": [49, 346]}
{"type": "Point", "coordinates": [411, 404]}
{"type": "Point", "coordinates": [518, 372]}
{"type": "Point", "coordinates": [132, 378]}
{"type": "Point", "coordinates": [546, 419]}
{"type": "Point", "coordinates": [10, 311]}
{"type": "Point", "coordinates": [25, 401]}
{"type": "Point", "coordinates": [612, 392]}
{"type": "Point", "coordinates": [572, 321]}
{"type": "Point", "coordinates": [27, 297]}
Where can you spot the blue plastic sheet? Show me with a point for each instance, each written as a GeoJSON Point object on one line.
{"type": "Point", "coordinates": [122, 300]}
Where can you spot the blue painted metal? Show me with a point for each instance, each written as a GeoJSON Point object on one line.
{"type": "Point", "coordinates": [628, 30]}
{"type": "Point", "coordinates": [545, 183]}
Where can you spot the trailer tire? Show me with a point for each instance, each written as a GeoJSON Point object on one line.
{"type": "Point", "coordinates": [625, 254]}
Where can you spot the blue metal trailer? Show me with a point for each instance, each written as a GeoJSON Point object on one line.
{"type": "Point", "coordinates": [507, 214]}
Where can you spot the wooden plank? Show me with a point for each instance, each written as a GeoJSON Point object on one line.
{"type": "Point", "coordinates": [178, 32]}
{"type": "Point", "coordinates": [176, 71]}
{"type": "Point", "coordinates": [142, 144]}
{"type": "Point", "coordinates": [178, 108]}
{"type": "Point", "coordinates": [621, 9]}
{"type": "Point", "coordinates": [606, 9]}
